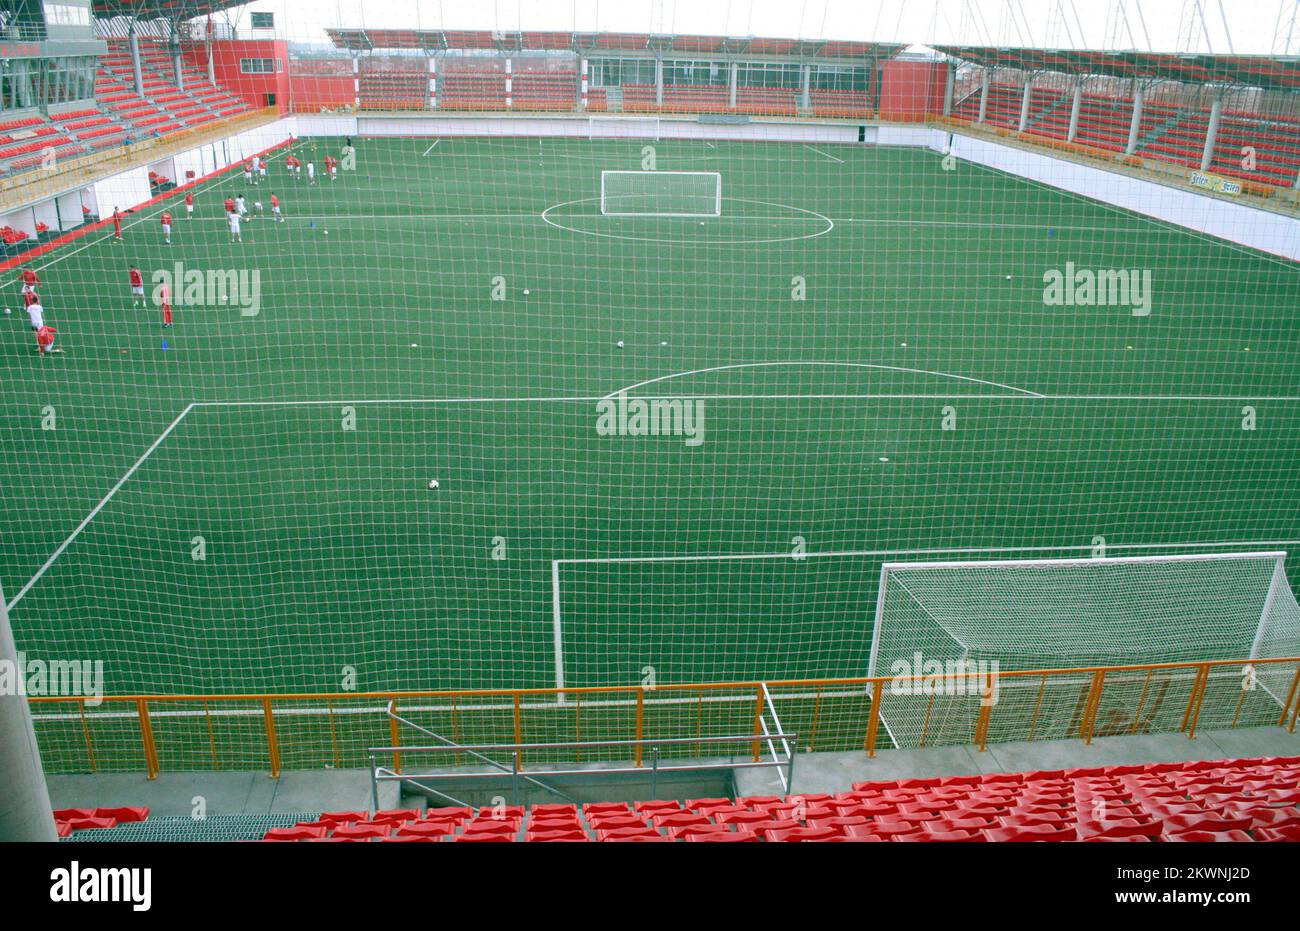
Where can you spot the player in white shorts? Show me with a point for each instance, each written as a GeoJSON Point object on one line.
{"type": "Point", "coordinates": [257, 209]}
{"type": "Point", "coordinates": [311, 172]}
{"type": "Point", "coordinates": [239, 205]}
{"type": "Point", "coordinates": [36, 314]}
{"type": "Point", "coordinates": [234, 228]}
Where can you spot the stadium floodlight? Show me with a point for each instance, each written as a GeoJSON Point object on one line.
{"type": "Point", "coordinates": [661, 193]}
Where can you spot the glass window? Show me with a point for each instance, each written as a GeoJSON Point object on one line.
{"type": "Point", "coordinates": [258, 65]}
{"type": "Point", "coordinates": [263, 20]}
{"type": "Point", "coordinates": [707, 73]}
{"type": "Point", "coordinates": [615, 72]}
{"type": "Point", "coordinates": [770, 74]}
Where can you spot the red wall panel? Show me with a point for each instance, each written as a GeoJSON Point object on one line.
{"type": "Point", "coordinates": [912, 88]}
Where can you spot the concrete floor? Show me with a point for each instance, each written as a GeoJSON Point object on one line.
{"type": "Point", "coordinates": [349, 790]}
{"type": "Point", "coordinates": [222, 793]}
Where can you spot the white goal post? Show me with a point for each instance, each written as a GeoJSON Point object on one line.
{"type": "Point", "coordinates": [980, 618]}
{"type": "Point", "coordinates": [661, 193]}
{"type": "Point", "coordinates": [1057, 613]}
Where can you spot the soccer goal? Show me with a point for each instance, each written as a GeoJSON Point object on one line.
{"type": "Point", "coordinates": [973, 618]}
{"type": "Point", "coordinates": [661, 193]}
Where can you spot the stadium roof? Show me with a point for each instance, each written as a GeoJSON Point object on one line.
{"type": "Point", "coordinates": [1247, 70]}
{"type": "Point", "coordinates": [158, 9]}
{"type": "Point", "coordinates": [437, 40]}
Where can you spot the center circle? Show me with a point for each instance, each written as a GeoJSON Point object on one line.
{"type": "Point", "coordinates": [554, 216]}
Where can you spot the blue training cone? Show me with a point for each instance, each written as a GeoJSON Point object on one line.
{"type": "Point", "coordinates": [164, 345]}
{"type": "Point", "coordinates": [311, 224]}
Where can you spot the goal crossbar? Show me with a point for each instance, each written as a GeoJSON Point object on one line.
{"type": "Point", "coordinates": [625, 193]}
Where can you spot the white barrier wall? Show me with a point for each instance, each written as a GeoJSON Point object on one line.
{"type": "Point", "coordinates": [580, 127]}
{"type": "Point", "coordinates": [123, 190]}
{"type": "Point", "coordinates": [46, 212]}
{"type": "Point", "coordinates": [1239, 223]}
{"type": "Point", "coordinates": [69, 210]}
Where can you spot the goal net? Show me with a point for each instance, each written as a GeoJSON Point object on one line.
{"type": "Point", "coordinates": [973, 620]}
{"type": "Point", "coordinates": [661, 193]}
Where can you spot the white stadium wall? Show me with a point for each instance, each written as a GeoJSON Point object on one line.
{"type": "Point", "coordinates": [1245, 225]}
{"type": "Point", "coordinates": [130, 188]}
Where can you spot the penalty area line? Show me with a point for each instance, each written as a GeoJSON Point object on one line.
{"type": "Point", "coordinates": [824, 154]}
{"type": "Point", "coordinates": [430, 148]}
{"type": "Point", "coordinates": [99, 507]}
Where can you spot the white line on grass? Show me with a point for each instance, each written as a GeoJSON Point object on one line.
{"type": "Point", "coordinates": [863, 396]}
{"type": "Point", "coordinates": [556, 564]}
{"type": "Point", "coordinates": [863, 365]}
{"type": "Point", "coordinates": [968, 550]}
{"type": "Point", "coordinates": [1025, 396]}
{"type": "Point", "coordinates": [824, 154]}
{"type": "Point", "coordinates": [99, 507]}
{"type": "Point", "coordinates": [430, 148]}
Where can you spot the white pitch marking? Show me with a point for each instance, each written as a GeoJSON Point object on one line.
{"type": "Point", "coordinates": [99, 507]}
{"type": "Point", "coordinates": [824, 154]}
{"type": "Point", "coordinates": [863, 365]}
{"type": "Point", "coordinates": [430, 148]}
{"type": "Point", "coordinates": [788, 554]}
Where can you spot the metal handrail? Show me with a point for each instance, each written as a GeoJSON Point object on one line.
{"type": "Point", "coordinates": [452, 745]}
{"type": "Point", "coordinates": [380, 774]}
{"type": "Point", "coordinates": [559, 745]}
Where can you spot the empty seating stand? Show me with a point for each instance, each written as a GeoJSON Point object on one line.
{"type": "Point", "coordinates": [1221, 801]}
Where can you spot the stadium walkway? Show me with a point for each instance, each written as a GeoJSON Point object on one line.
{"type": "Point", "coordinates": [347, 790]}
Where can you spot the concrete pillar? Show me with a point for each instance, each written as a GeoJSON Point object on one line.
{"type": "Point", "coordinates": [1133, 127]}
{"type": "Point", "coordinates": [510, 101]}
{"type": "Point", "coordinates": [580, 88]}
{"type": "Point", "coordinates": [984, 96]}
{"type": "Point", "coordinates": [1212, 133]}
{"type": "Point", "coordinates": [212, 67]}
{"type": "Point", "coordinates": [356, 82]}
{"type": "Point", "coordinates": [25, 813]}
{"type": "Point", "coordinates": [433, 83]}
{"type": "Point", "coordinates": [174, 43]}
{"type": "Point", "coordinates": [136, 74]}
{"type": "Point", "coordinates": [659, 82]}
{"type": "Point", "coordinates": [805, 88]}
{"type": "Point", "coordinates": [949, 88]}
{"type": "Point", "coordinates": [1024, 103]}
{"type": "Point", "coordinates": [1075, 104]}
{"type": "Point", "coordinates": [733, 80]}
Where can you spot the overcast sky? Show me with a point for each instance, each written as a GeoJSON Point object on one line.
{"type": "Point", "coordinates": [1252, 26]}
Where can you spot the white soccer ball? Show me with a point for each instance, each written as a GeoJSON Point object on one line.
{"type": "Point", "coordinates": [1008, 277]}
{"type": "Point", "coordinates": [433, 484]}
{"type": "Point", "coordinates": [8, 311]}
{"type": "Point", "coordinates": [620, 344]}
{"type": "Point", "coordinates": [327, 232]}
{"type": "Point", "coordinates": [525, 290]}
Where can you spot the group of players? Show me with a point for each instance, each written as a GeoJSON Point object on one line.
{"type": "Point", "coordinates": [255, 170]}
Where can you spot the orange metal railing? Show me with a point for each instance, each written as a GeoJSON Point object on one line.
{"type": "Point", "coordinates": [314, 730]}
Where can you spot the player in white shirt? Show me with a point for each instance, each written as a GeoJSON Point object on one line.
{"type": "Point", "coordinates": [257, 209]}
{"type": "Point", "coordinates": [311, 172]}
{"type": "Point", "coordinates": [234, 227]}
{"type": "Point", "coordinates": [36, 314]}
{"type": "Point", "coordinates": [240, 207]}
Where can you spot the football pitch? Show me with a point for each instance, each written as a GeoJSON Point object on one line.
{"type": "Point", "coordinates": [246, 509]}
